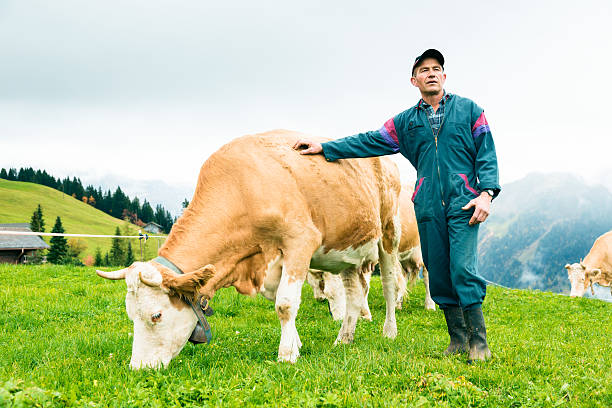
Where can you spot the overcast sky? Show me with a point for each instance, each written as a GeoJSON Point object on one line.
{"type": "Point", "coordinates": [149, 89]}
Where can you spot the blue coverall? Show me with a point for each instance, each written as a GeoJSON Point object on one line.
{"type": "Point", "coordinates": [452, 169]}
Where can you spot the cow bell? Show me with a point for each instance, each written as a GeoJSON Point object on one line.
{"type": "Point", "coordinates": [201, 333]}
{"type": "Point", "coordinates": [198, 336]}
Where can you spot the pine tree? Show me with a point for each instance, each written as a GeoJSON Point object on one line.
{"type": "Point", "coordinates": [146, 213]}
{"type": "Point", "coordinates": [117, 254]}
{"type": "Point", "coordinates": [129, 257]}
{"type": "Point", "coordinates": [3, 174]}
{"type": "Point", "coordinates": [98, 260]}
{"type": "Point", "coordinates": [12, 174]}
{"type": "Point", "coordinates": [37, 224]}
{"type": "Point", "coordinates": [59, 246]}
{"type": "Point", "coordinates": [106, 260]}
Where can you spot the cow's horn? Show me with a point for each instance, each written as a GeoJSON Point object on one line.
{"type": "Point", "coordinates": [113, 275]}
{"type": "Point", "coordinates": [150, 282]}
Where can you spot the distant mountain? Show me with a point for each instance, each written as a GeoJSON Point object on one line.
{"type": "Point", "coordinates": [540, 223]}
{"type": "Point", "coordinates": [605, 178]}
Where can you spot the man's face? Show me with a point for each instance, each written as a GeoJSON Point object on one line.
{"type": "Point", "coordinates": [429, 77]}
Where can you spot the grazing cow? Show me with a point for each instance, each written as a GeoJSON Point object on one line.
{"type": "Point", "coordinates": [261, 216]}
{"type": "Point", "coordinates": [329, 286]}
{"type": "Point", "coordinates": [595, 268]}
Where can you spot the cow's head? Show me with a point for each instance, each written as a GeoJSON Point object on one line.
{"type": "Point", "coordinates": [163, 321]}
{"type": "Point", "coordinates": [581, 277]}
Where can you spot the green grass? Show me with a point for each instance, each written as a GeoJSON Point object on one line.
{"type": "Point", "coordinates": [66, 341]}
{"type": "Point", "coordinates": [18, 200]}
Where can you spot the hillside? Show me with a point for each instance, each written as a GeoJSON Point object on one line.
{"type": "Point", "coordinates": [539, 224]}
{"type": "Point", "coordinates": [74, 348]}
{"type": "Point", "coordinates": [18, 200]}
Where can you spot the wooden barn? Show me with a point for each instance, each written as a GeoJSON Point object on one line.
{"type": "Point", "coordinates": [18, 248]}
{"type": "Point", "coordinates": [153, 228]}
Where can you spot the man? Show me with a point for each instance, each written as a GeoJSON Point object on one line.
{"type": "Point", "coordinates": [447, 139]}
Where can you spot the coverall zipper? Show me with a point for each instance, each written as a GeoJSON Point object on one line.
{"type": "Point", "coordinates": [437, 158]}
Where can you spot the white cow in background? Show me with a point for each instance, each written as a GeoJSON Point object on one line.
{"type": "Point", "coordinates": [329, 286]}
{"type": "Point", "coordinates": [595, 268]}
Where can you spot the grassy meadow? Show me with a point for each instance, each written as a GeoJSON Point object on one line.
{"type": "Point", "coordinates": [18, 200]}
{"type": "Point", "coordinates": [66, 341]}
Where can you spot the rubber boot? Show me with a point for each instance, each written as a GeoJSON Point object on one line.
{"type": "Point", "coordinates": [198, 336]}
{"type": "Point", "coordinates": [479, 350]}
{"type": "Point", "coordinates": [457, 331]}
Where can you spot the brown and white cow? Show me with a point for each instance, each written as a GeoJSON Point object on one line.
{"type": "Point", "coordinates": [595, 268]}
{"type": "Point", "coordinates": [261, 215]}
{"type": "Point", "coordinates": [329, 286]}
{"type": "Point", "coordinates": [410, 255]}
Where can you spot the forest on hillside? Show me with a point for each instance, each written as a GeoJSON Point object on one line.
{"type": "Point", "coordinates": [116, 204]}
{"type": "Point", "coordinates": [533, 252]}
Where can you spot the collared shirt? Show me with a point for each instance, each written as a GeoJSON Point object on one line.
{"type": "Point", "coordinates": [435, 118]}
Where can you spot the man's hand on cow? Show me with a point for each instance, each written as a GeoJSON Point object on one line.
{"type": "Point", "coordinates": [306, 146]}
{"type": "Point", "coordinates": [482, 205]}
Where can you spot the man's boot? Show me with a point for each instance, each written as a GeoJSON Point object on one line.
{"type": "Point", "coordinates": [457, 331]}
{"type": "Point", "coordinates": [479, 350]}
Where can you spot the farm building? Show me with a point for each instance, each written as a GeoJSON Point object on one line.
{"type": "Point", "coordinates": [153, 228]}
{"type": "Point", "coordinates": [18, 248]}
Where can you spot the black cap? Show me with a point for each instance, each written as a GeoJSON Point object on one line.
{"type": "Point", "coordinates": [430, 53]}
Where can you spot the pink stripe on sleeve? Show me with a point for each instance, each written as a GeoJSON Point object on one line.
{"type": "Point", "coordinates": [480, 122]}
{"type": "Point", "coordinates": [390, 126]}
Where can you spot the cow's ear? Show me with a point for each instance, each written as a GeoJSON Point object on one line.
{"type": "Point", "coordinates": [593, 273]}
{"type": "Point", "coordinates": [568, 266]}
{"type": "Point", "coordinates": [189, 283]}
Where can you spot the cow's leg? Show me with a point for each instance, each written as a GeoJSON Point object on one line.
{"type": "Point", "coordinates": [429, 303]}
{"type": "Point", "coordinates": [364, 277]}
{"type": "Point", "coordinates": [334, 292]}
{"type": "Point", "coordinates": [389, 267]}
{"type": "Point", "coordinates": [296, 259]}
{"type": "Point", "coordinates": [401, 287]}
{"type": "Point", "coordinates": [354, 302]}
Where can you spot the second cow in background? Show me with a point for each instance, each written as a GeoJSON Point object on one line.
{"type": "Point", "coordinates": [329, 286]}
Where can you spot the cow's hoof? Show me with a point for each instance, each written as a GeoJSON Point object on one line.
{"type": "Point", "coordinates": [430, 305]}
{"type": "Point", "coordinates": [344, 338]}
{"type": "Point", "coordinates": [286, 355]}
{"type": "Point", "coordinates": [390, 330]}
